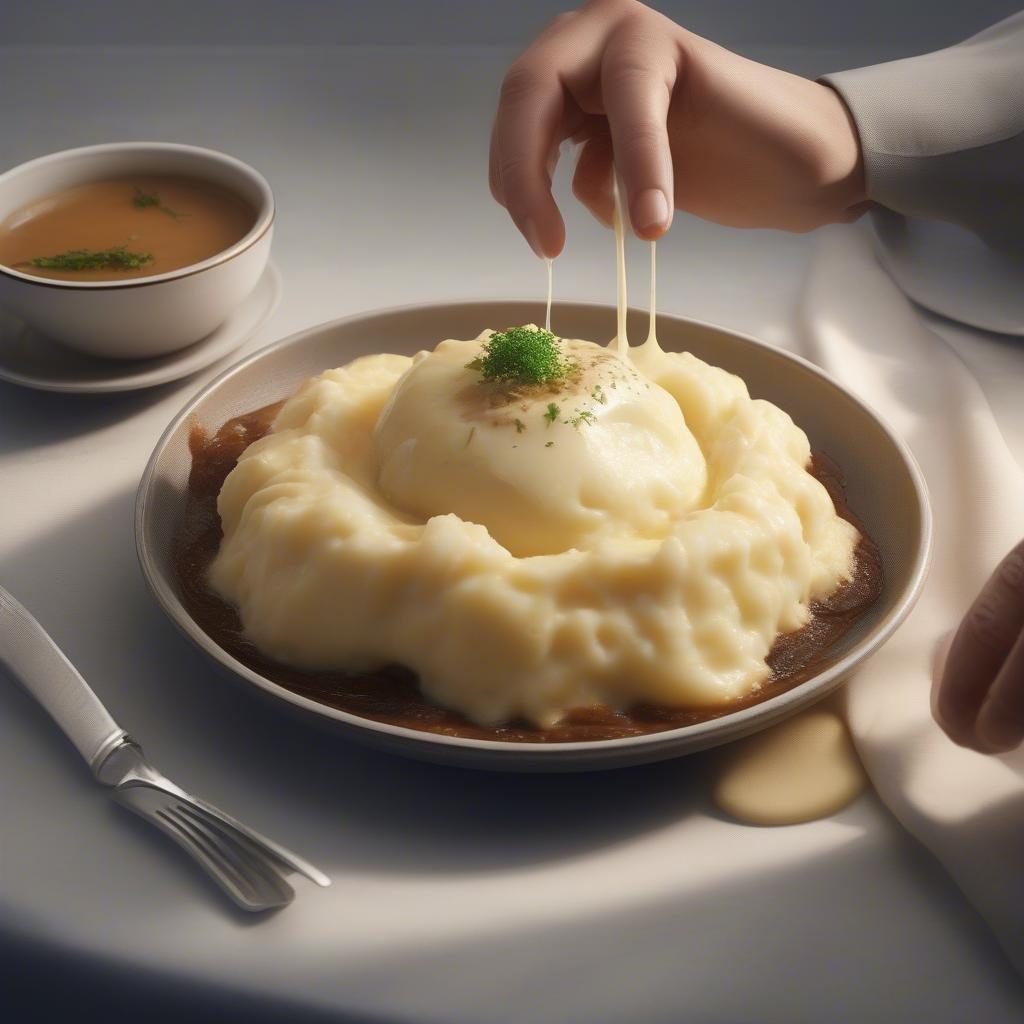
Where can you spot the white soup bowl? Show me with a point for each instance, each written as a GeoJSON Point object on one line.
{"type": "Point", "coordinates": [144, 316]}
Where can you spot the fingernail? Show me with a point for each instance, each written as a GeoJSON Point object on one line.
{"type": "Point", "coordinates": [649, 211]}
{"type": "Point", "coordinates": [533, 237]}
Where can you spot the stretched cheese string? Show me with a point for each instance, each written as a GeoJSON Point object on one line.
{"type": "Point", "coordinates": [621, 338]}
{"type": "Point", "coordinates": [652, 334]}
{"type": "Point", "coordinates": [618, 222]}
{"type": "Point", "coordinates": [547, 315]}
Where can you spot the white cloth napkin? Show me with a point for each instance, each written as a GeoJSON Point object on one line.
{"type": "Point", "coordinates": [966, 807]}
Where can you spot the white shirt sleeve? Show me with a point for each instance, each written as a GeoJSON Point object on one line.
{"type": "Point", "coordinates": [943, 134]}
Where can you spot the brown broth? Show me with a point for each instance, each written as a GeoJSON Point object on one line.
{"type": "Point", "coordinates": [392, 695]}
{"type": "Point", "coordinates": [191, 221]}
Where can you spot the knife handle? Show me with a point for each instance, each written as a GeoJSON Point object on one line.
{"type": "Point", "coordinates": [34, 659]}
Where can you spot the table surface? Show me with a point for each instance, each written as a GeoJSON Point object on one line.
{"type": "Point", "coordinates": [457, 896]}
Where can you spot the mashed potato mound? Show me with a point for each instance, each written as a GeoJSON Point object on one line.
{"type": "Point", "coordinates": [641, 533]}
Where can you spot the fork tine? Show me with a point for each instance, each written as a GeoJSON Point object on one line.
{"type": "Point", "coordinates": [197, 843]}
{"type": "Point", "coordinates": [217, 826]}
{"type": "Point", "coordinates": [248, 866]}
{"type": "Point", "coordinates": [237, 887]}
{"type": "Point", "coordinates": [241, 855]}
{"type": "Point", "coordinates": [292, 861]}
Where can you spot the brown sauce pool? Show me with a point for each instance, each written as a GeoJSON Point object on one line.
{"type": "Point", "coordinates": [148, 224]}
{"type": "Point", "coordinates": [392, 695]}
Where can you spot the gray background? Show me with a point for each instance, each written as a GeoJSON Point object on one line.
{"type": "Point", "coordinates": [881, 25]}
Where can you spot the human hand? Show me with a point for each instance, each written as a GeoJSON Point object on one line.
{"type": "Point", "coordinates": [692, 126]}
{"type": "Point", "coordinates": [978, 695]}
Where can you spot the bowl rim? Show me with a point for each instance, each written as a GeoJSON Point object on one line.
{"type": "Point", "coordinates": [738, 721]}
{"type": "Point", "coordinates": [265, 214]}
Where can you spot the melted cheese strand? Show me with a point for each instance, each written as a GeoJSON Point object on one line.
{"type": "Point", "coordinates": [652, 334]}
{"type": "Point", "coordinates": [622, 340]}
{"type": "Point", "coordinates": [551, 275]}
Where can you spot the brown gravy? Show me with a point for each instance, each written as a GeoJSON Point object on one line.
{"type": "Point", "coordinates": [392, 696]}
{"type": "Point", "coordinates": [176, 221]}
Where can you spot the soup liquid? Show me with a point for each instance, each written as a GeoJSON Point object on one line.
{"type": "Point", "coordinates": [181, 221]}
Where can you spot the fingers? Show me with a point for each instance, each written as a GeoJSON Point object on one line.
{"type": "Point", "coordinates": [985, 645]}
{"type": "Point", "coordinates": [592, 182]}
{"type": "Point", "coordinates": [612, 60]}
{"type": "Point", "coordinates": [638, 74]}
{"type": "Point", "coordinates": [524, 145]}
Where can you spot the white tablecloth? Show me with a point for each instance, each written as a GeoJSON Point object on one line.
{"type": "Point", "coordinates": [967, 808]}
{"type": "Point", "coordinates": [457, 896]}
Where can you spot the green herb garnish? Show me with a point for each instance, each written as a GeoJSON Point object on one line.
{"type": "Point", "coordinates": [586, 416]}
{"type": "Point", "coordinates": [523, 356]}
{"type": "Point", "coordinates": [552, 414]}
{"type": "Point", "coordinates": [549, 444]}
{"type": "Point", "coordinates": [115, 258]}
{"type": "Point", "coordinates": [143, 200]}
{"type": "Point", "coordinates": [520, 426]}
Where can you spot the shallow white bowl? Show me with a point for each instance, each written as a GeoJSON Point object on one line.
{"type": "Point", "coordinates": [884, 487]}
{"type": "Point", "coordinates": [144, 316]}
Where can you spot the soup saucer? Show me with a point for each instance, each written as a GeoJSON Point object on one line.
{"type": "Point", "coordinates": [35, 361]}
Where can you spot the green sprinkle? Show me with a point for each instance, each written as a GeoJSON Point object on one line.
{"type": "Point", "coordinates": [586, 416]}
{"type": "Point", "coordinates": [115, 258]}
{"type": "Point", "coordinates": [549, 444]}
{"type": "Point", "coordinates": [552, 414]}
{"type": "Point", "coordinates": [472, 431]}
{"type": "Point", "coordinates": [143, 200]}
{"type": "Point", "coordinates": [520, 426]}
{"type": "Point", "coordinates": [524, 356]}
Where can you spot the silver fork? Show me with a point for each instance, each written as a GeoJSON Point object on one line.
{"type": "Point", "coordinates": [249, 867]}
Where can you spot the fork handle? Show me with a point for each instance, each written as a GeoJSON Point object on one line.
{"type": "Point", "coordinates": [34, 659]}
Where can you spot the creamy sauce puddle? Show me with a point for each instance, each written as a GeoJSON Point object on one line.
{"type": "Point", "coordinates": [803, 769]}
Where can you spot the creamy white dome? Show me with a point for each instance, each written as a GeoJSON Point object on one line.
{"type": "Point", "coordinates": [544, 469]}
